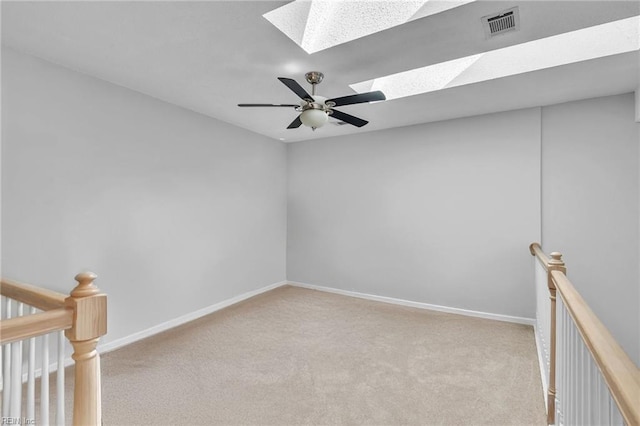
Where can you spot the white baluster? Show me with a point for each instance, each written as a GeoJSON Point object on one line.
{"type": "Point", "coordinates": [560, 356]}
{"type": "Point", "coordinates": [6, 375]}
{"type": "Point", "coordinates": [606, 409]}
{"type": "Point", "coordinates": [44, 383]}
{"type": "Point", "coordinates": [568, 395]}
{"type": "Point", "coordinates": [565, 366]}
{"type": "Point", "coordinates": [578, 376]}
{"type": "Point", "coordinates": [604, 402]}
{"type": "Point", "coordinates": [597, 419]}
{"type": "Point", "coordinates": [15, 410]}
{"type": "Point", "coordinates": [31, 379]}
{"type": "Point", "coordinates": [612, 410]}
{"type": "Point", "coordinates": [543, 314]}
{"type": "Point", "coordinates": [565, 371]}
{"type": "Point", "coordinates": [616, 416]}
{"type": "Point", "coordinates": [573, 373]}
{"type": "Point", "coordinates": [60, 380]}
{"type": "Point", "coordinates": [593, 386]}
{"type": "Point", "coordinates": [570, 366]}
{"type": "Point", "coordinates": [582, 386]}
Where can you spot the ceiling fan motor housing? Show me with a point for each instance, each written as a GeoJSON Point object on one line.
{"type": "Point", "coordinates": [319, 103]}
{"type": "Point", "coordinates": [314, 77]}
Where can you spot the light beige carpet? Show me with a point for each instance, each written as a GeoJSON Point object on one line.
{"type": "Point", "coordinates": [301, 357]}
{"type": "Point", "coordinates": [295, 356]}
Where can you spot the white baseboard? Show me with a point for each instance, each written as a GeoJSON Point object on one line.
{"type": "Point", "coordinates": [110, 346]}
{"type": "Point", "coordinates": [118, 343]}
{"type": "Point", "coordinates": [420, 305]}
{"type": "Point", "coordinates": [541, 361]}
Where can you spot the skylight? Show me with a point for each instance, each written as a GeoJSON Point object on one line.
{"type": "Point", "coordinates": [581, 45]}
{"type": "Point", "coordinates": [316, 25]}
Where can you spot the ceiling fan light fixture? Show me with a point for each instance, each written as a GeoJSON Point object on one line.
{"type": "Point", "coordinates": [314, 118]}
{"type": "Point", "coordinates": [315, 109]}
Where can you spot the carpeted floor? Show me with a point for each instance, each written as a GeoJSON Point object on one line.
{"type": "Point", "coordinates": [294, 356]}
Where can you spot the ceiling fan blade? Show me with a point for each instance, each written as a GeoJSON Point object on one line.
{"type": "Point", "coordinates": [295, 123]}
{"type": "Point", "coordinates": [347, 118]}
{"type": "Point", "coordinates": [358, 98]}
{"type": "Point", "coordinates": [268, 105]}
{"type": "Point", "coordinates": [296, 88]}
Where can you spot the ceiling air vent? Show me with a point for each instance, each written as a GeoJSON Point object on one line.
{"type": "Point", "coordinates": [498, 23]}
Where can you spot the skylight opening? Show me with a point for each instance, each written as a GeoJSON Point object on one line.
{"type": "Point", "coordinates": [576, 46]}
{"type": "Point", "coordinates": [316, 25]}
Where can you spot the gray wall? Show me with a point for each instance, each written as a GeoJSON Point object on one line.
{"type": "Point", "coordinates": [440, 213]}
{"type": "Point", "coordinates": [189, 211]}
{"type": "Point", "coordinates": [175, 211]}
{"type": "Point", "coordinates": [590, 206]}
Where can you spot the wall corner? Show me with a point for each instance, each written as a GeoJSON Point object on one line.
{"type": "Point", "coordinates": [637, 116]}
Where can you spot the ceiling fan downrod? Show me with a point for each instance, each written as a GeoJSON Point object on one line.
{"type": "Point", "coordinates": [313, 78]}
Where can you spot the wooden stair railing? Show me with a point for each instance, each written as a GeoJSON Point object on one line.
{"type": "Point", "coordinates": [83, 317]}
{"type": "Point", "coordinates": [549, 265]}
{"type": "Point", "coordinates": [611, 364]}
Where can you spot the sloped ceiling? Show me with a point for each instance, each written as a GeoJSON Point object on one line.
{"type": "Point", "coordinates": [209, 56]}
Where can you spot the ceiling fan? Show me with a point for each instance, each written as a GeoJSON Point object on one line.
{"type": "Point", "coordinates": [315, 109]}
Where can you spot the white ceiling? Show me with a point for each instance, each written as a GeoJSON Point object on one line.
{"type": "Point", "coordinates": [209, 56]}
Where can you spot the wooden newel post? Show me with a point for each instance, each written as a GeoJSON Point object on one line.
{"type": "Point", "coordinates": [555, 264]}
{"type": "Point", "coordinates": [89, 323]}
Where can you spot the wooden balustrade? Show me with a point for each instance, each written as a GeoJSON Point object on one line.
{"type": "Point", "coordinates": [83, 317]}
{"type": "Point", "coordinates": [550, 265]}
{"type": "Point", "coordinates": [620, 374]}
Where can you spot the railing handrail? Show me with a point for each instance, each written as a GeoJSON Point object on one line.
{"type": "Point", "coordinates": [37, 297]}
{"type": "Point", "coordinates": [620, 373]}
{"type": "Point", "coordinates": [536, 251]}
{"type": "Point", "coordinates": [21, 328]}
